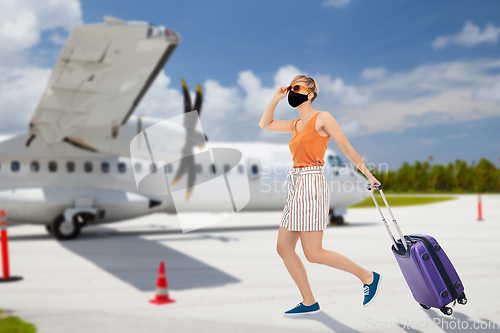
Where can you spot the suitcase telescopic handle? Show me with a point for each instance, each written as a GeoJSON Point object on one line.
{"type": "Point", "coordinates": [379, 188]}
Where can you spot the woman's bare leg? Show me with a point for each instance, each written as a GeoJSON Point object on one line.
{"type": "Point", "coordinates": [287, 240]}
{"type": "Point", "coordinates": [314, 252]}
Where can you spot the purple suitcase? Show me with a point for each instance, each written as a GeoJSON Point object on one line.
{"type": "Point", "coordinates": [432, 279]}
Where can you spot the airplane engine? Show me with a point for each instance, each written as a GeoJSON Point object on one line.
{"type": "Point", "coordinates": [66, 210]}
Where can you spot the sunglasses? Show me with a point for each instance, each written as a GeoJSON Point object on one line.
{"type": "Point", "coordinates": [296, 88]}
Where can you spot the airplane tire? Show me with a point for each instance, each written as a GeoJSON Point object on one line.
{"type": "Point", "coordinates": [335, 220]}
{"type": "Point", "coordinates": [339, 220]}
{"type": "Point", "coordinates": [63, 230]}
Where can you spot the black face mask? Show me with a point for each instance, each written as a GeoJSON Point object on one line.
{"type": "Point", "coordinates": [296, 99]}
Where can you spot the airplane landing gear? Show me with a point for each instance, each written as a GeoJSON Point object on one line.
{"type": "Point", "coordinates": [64, 230]}
{"type": "Point", "coordinates": [336, 220]}
{"type": "Point", "coordinates": [339, 220]}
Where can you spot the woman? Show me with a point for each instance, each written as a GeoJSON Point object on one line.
{"type": "Point", "coordinates": [306, 212]}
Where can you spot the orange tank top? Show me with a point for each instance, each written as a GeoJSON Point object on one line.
{"type": "Point", "coordinates": [308, 147]}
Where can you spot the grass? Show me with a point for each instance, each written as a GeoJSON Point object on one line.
{"type": "Point", "coordinates": [13, 324]}
{"type": "Point", "coordinates": [400, 200]}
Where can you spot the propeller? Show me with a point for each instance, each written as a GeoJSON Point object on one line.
{"type": "Point", "coordinates": [187, 162]}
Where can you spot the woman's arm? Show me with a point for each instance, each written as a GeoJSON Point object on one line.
{"type": "Point", "coordinates": [268, 123]}
{"type": "Point", "coordinates": [331, 126]}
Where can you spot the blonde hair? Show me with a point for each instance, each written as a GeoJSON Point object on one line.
{"type": "Point", "coordinates": [310, 83]}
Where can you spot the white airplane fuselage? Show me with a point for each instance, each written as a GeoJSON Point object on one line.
{"type": "Point", "coordinates": [38, 184]}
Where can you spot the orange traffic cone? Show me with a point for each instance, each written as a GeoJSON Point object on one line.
{"type": "Point", "coordinates": [5, 250]}
{"type": "Point", "coordinates": [161, 288]}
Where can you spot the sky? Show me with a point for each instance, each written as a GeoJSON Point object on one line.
{"type": "Point", "coordinates": [404, 79]}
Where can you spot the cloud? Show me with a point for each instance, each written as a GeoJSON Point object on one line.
{"type": "Point", "coordinates": [336, 3]}
{"type": "Point", "coordinates": [490, 92]}
{"type": "Point", "coordinates": [429, 118]}
{"type": "Point", "coordinates": [470, 36]}
{"type": "Point", "coordinates": [335, 90]}
{"type": "Point", "coordinates": [245, 102]}
{"type": "Point", "coordinates": [223, 102]}
{"type": "Point", "coordinates": [427, 95]}
{"type": "Point", "coordinates": [374, 73]}
{"type": "Point", "coordinates": [21, 24]}
{"type": "Point", "coordinates": [23, 21]}
{"type": "Point", "coordinates": [161, 100]}
{"type": "Point", "coordinates": [403, 100]}
{"type": "Point", "coordinates": [57, 38]}
{"type": "Point", "coordinates": [20, 91]}
{"type": "Point", "coordinates": [352, 126]}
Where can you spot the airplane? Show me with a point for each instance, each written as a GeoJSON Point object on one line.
{"type": "Point", "coordinates": [73, 167]}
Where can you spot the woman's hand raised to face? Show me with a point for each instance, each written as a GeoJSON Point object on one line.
{"type": "Point", "coordinates": [280, 93]}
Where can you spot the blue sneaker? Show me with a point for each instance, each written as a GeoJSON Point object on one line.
{"type": "Point", "coordinates": [370, 290]}
{"type": "Point", "coordinates": [300, 309]}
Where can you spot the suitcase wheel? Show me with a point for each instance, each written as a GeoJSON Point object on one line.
{"type": "Point", "coordinates": [446, 310]}
{"type": "Point", "coordinates": [462, 299]}
{"type": "Point", "coordinates": [425, 306]}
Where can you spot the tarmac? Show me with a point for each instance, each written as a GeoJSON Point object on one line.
{"type": "Point", "coordinates": [228, 277]}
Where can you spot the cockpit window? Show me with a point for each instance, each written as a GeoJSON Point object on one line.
{"type": "Point", "coordinates": [334, 160]}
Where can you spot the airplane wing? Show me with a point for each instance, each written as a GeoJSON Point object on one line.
{"type": "Point", "coordinates": [101, 75]}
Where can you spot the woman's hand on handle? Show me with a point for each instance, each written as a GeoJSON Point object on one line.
{"type": "Point", "coordinates": [280, 93]}
{"type": "Point", "coordinates": [373, 181]}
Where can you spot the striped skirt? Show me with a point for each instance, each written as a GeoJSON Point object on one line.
{"type": "Point", "coordinates": [308, 200]}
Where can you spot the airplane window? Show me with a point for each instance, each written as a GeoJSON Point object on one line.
{"type": "Point", "coordinates": [138, 167]}
{"type": "Point", "coordinates": [70, 166]}
{"type": "Point", "coordinates": [52, 166]}
{"type": "Point", "coordinates": [213, 169]}
{"type": "Point", "coordinates": [255, 169]}
{"type": "Point", "coordinates": [34, 166]}
{"type": "Point", "coordinates": [198, 168]}
{"type": "Point", "coordinates": [335, 160]}
{"type": "Point", "coordinates": [87, 166]}
{"type": "Point", "coordinates": [152, 167]}
{"type": "Point", "coordinates": [168, 168]}
{"type": "Point", "coordinates": [241, 169]}
{"type": "Point", "coordinates": [122, 167]}
{"type": "Point", "coordinates": [226, 168]}
{"type": "Point", "coordinates": [15, 166]}
{"type": "Point", "coordinates": [105, 167]}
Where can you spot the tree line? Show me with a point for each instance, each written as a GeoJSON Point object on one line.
{"type": "Point", "coordinates": [458, 177]}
